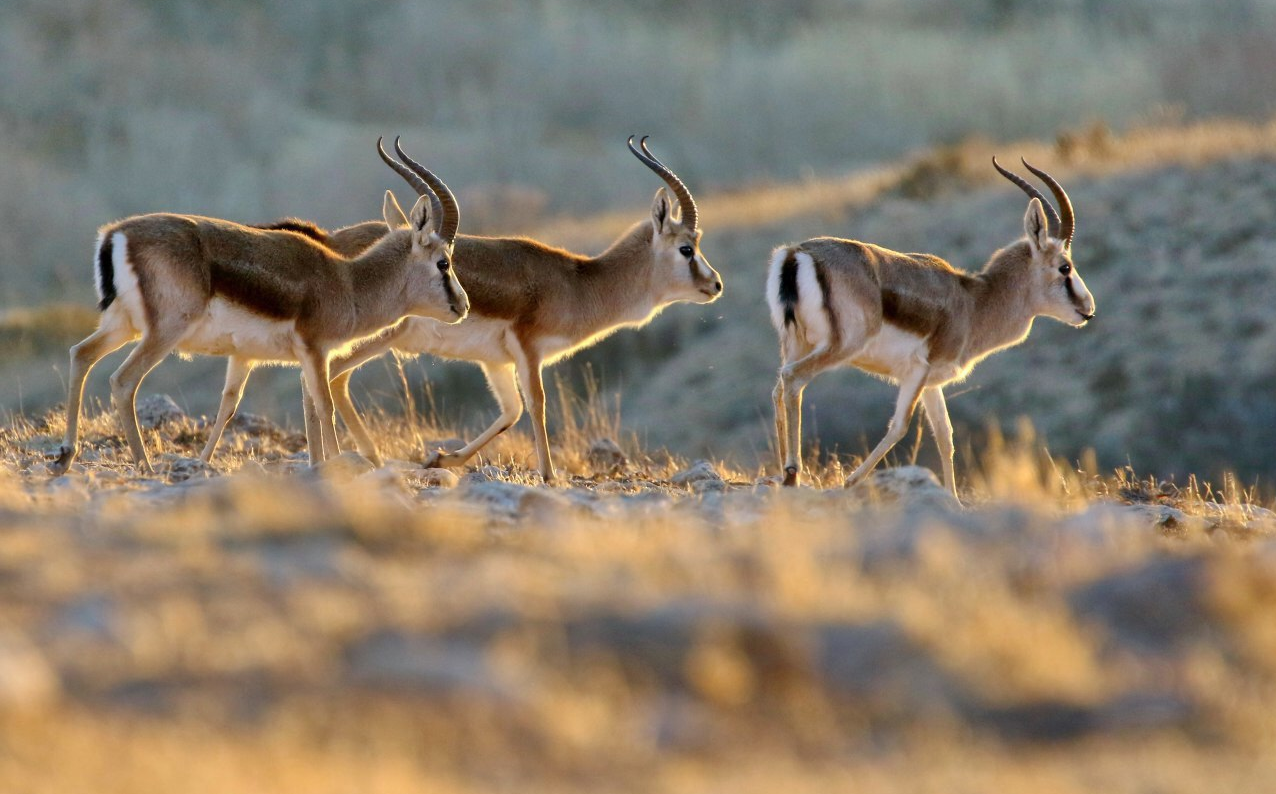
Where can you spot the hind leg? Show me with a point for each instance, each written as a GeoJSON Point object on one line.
{"type": "Point", "coordinates": [793, 380]}
{"type": "Point", "coordinates": [781, 426]}
{"type": "Point", "coordinates": [502, 379]}
{"type": "Point", "coordinates": [108, 338]}
{"type": "Point", "coordinates": [310, 417]}
{"type": "Point", "coordinates": [315, 371]}
{"type": "Point", "coordinates": [155, 345]}
{"type": "Point", "coordinates": [354, 423]}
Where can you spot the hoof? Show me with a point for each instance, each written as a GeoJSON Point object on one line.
{"type": "Point", "coordinates": [441, 459]}
{"type": "Point", "coordinates": [66, 456]}
{"type": "Point", "coordinates": [790, 476]}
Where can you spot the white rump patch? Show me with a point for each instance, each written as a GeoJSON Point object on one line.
{"type": "Point", "coordinates": [810, 309]}
{"type": "Point", "coordinates": [97, 271]}
{"type": "Point", "coordinates": [127, 292]}
{"type": "Point", "coordinates": [773, 287]}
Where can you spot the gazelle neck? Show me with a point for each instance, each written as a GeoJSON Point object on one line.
{"type": "Point", "coordinates": [1003, 308]}
{"type": "Point", "coordinates": [621, 281]}
{"type": "Point", "coordinates": [378, 277]}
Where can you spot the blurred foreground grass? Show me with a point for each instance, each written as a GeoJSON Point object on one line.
{"type": "Point", "coordinates": [265, 628]}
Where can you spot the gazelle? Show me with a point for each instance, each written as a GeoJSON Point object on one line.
{"type": "Point", "coordinates": [532, 304]}
{"type": "Point", "coordinates": [349, 242]}
{"type": "Point", "coordinates": [208, 286]}
{"type": "Point", "coordinates": [914, 319]}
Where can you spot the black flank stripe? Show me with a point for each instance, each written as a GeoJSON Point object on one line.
{"type": "Point", "coordinates": [106, 271]}
{"type": "Point", "coordinates": [821, 278]}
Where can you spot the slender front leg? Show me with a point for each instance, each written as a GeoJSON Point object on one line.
{"type": "Point", "coordinates": [942, 427]}
{"type": "Point", "coordinates": [342, 368]}
{"type": "Point", "coordinates": [534, 395]}
{"type": "Point", "coordinates": [503, 381]}
{"type": "Point", "coordinates": [314, 364]}
{"type": "Point", "coordinates": [310, 420]}
{"type": "Point", "coordinates": [910, 388]}
{"type": "Point", "coordinates": [237, 371]}
{"type": "Point", "coordinates": [84, 356]}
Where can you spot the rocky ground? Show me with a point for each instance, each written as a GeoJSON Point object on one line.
{"type": "Point", "coordinates": [647, 624]}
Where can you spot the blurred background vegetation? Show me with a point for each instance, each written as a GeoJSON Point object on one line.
{"type": "Point", "coordinates": [253, 110]}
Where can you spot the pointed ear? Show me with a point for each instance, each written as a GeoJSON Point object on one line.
{"type": "Point", "coordinates": [420, 215]}
{"type": "Point", "coordinates": [1035, 225]}
{"type": "Point", "coordinates": [392, 212]}
{"type": "Point", "coordinates": [660, 211]}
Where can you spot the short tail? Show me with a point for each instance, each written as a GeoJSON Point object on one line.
{"type": "Point", "coordinates": [106, 272]}
{"type": "Point", "coordinates": [786, 286]}
{"type": "Point", "coordinates": [789, 288]}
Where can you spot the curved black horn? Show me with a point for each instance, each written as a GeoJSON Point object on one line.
{"type": "Point", "coordinates": [451, 212]}
{"type": "Point", "coordinates": [690, 215]}
{"type": "Point", "coordinates": [1068, 226]}
{"type": "Point", "coordinates": [419, 185]}
{"type": "Point", "coordinates": [1025, 186]}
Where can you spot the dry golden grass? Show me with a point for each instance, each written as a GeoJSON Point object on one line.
{"type": "Point", "coordinates": [272, 630]}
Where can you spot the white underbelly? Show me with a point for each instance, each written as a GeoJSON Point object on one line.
{"type": "Point", "coordinates": [891, 353]}
{"type": "Point", "coordinates": [473, 339]}
{"type": "Point", "coordinates": [226, 329]}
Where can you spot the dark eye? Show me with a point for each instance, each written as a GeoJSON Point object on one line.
{"type": "Point", "coordinates": [687, 251]}
{"type": "Point", "coordinates": [1065, 268]}
{"type": "Point", "coordinates": [443, 265]}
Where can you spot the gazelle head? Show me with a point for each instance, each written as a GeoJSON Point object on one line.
{"type": "Point", "coordinates": [675, 237]}
{"type": "Point", "coordinates": [432, 289]}
{"type": "Point", "coordinates": [1057, 289]}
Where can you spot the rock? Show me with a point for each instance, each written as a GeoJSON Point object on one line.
{"type": "Point", "coordinates": [182, 469]}
{"type": "Point", "coordinates": [70, 486]}
{"type": "Point", "coordinates": [395, 660]}
{"type": "Point", "coordinates": [252, 424]}
{"type": "Point", "coordinates": [1158, 606]}
{"type": "Point", "coordinates": [697, 472]}
{"type": "Point", "coordinates": [1055, 721]}
{"type": "Point", "coordinates": [433, 478]}
{"type": "Point", "coordinates": [156, 410]}
{"type": "Point", "coordinates": [708, 486]}
{"type": "Point", "coordinates": [26, 678]}
{"type": "Point", "coordinates": [487, 473]}
{"type": "Point", "coordinates": [345, 466]}
{"type": "Point", "coordinates": [878, 664]}
{"type": "Point", "coordinates": [511, 500]}
{"type": "Point", "coordinates": [906, 486]}
{"type": "Point", "coordinates": [604, 456]}
{"type": "Point", "coordinates": [1170, 520]}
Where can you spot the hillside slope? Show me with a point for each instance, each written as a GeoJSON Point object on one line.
{"type": "Point", "coordinates": [1175, 239]}
{"type": "Point", "coordinates": [1177, 373]}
